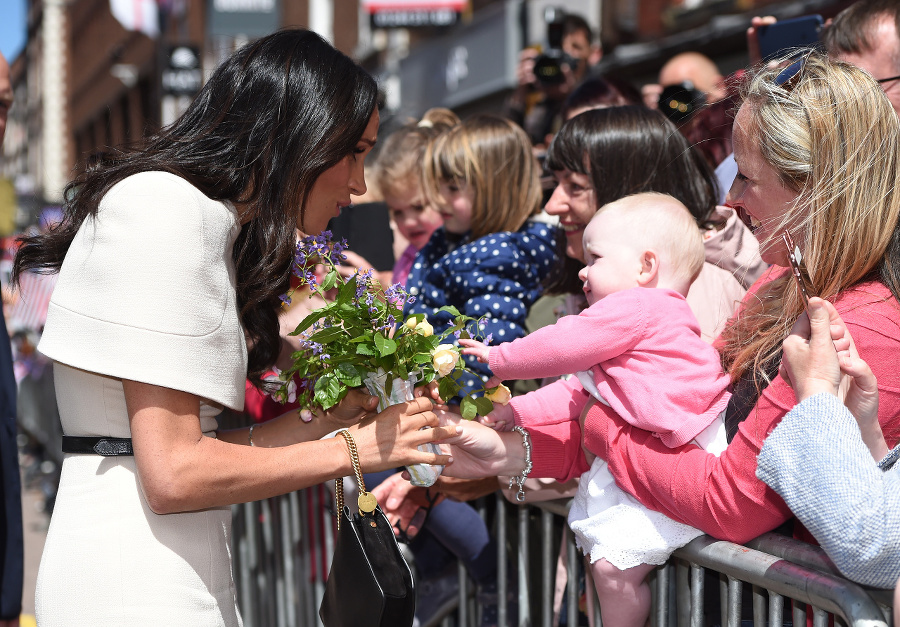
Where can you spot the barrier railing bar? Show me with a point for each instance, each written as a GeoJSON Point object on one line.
{"type": "Point", "coordinates": [821, 590]}
{"type": "Point", "coordinates": [798, 613]}
{"type": "Point", "coordinates": [572, 558]}
{"type": "Point", "coordinates": [682, 594]}
{"type": "Point", "coordinates": [662, 596]}
{"type": "Point", "coordinates": [502, 570]}
{"type": "Point", "coordinates": [282, 547]}
{"type": "Point", "coordinates": [735, 597]}
{"type": "Point", "coordinates": [548, 568]}
{"type": "Point", "coordinates": [524, 575]}
{"type": "Point", "coordinates": [723, 594]}
{"type": "Point", "coordinates": [698, 584]}
{"type": "Point", "coordinates": [759, 607]}
{"type": "Point", "coordinates": [776, 609]}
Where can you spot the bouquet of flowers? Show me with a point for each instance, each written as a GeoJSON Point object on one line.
{"type": "Point", "coordinates": [360, 338]}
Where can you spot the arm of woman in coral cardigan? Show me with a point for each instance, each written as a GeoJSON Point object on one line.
{"type": "Point", "coordinates": [722, 496]}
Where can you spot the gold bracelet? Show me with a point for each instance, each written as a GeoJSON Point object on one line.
{"type": "Point", "coordinates": [250, 433]}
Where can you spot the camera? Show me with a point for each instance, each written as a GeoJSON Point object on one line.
{"type": "Point", "coordinates": [679, 102]}
{"type": "Point", "coordinates": [548, 67]}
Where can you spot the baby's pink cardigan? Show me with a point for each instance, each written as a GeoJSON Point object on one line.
{"type": "Point", "coordinates": [644, 349]}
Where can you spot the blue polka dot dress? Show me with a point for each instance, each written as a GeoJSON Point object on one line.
{"type": "Point", "coordinates": [498, 276]}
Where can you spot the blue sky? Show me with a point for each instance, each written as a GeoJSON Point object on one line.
{"type": "Point", "coordinates": [12, 27]}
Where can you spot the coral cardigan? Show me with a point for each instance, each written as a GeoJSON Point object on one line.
{"type": "Point", "coordinates": [721, 495]}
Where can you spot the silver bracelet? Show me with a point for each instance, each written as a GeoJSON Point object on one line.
{"type": "Point", "coordinates": [520, 480]}
{"type": "Point", "coordinates": [250, 433]}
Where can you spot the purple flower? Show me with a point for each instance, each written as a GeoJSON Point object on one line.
{"type": "Point", "coordinates": [490, 336]}
{"type": "Point", "coordinates": [285, 299]}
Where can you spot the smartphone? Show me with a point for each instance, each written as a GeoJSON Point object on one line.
{"type": "Point", "coordinates": [798, 269]}
{"type": "Point", "coordinates": [776, 40]}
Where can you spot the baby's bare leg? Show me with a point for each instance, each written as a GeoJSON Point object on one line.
{"type": "Point", "coordinates": [624, 594]}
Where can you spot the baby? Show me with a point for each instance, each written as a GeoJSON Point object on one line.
{"type": "Point", "coordinates": [639, 351]}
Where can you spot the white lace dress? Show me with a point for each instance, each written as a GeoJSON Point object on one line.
{"type": "Point", "coordinates": [610, 524]}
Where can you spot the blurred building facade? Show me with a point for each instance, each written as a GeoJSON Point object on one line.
{"type": "Point", "coordinates": [89, 80]}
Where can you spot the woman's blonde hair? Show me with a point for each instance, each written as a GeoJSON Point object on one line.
{"type": "Point", "coordinates": [492, 156]}
{"type": "Point", "coordinates": [400, 159]}
{"type": "Point", "coordinates": [831, 134]}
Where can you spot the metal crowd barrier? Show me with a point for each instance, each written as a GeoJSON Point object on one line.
{"type": "Point", "coordinates": [282, 549]}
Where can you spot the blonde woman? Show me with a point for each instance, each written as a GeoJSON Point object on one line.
{"type": "Point", "coordinates": [817, 147]}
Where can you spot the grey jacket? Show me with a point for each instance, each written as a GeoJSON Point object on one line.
{"type": "Point", "coordinates": [816, 460]}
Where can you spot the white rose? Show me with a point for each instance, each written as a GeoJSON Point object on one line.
{"type": "Point", "coordinates": [424, 329]}
{"type": "Point", "coordinates": [444, 358]}
{"type": "Point", "coordinates": [501, 394]}
{"type": "Point", "coordinates": [411, 324]}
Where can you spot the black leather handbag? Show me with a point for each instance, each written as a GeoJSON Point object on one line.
{"type": "Point", "coordinates": [369, 584]}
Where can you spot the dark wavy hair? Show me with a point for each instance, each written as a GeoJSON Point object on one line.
{"type": "Point", "coordinates": [631, 149]}
{"type": "Point", "coordinates": [272, 118]}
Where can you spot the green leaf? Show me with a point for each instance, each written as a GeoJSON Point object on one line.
{"type": "Point", "coordinates": [448, 388]}
{"type": "Point", "coordinates": [329, 391]}
{"type": "Point", "coordinates": [385, 346]}
{"type": "Point", "coordinates": [349, 375]}
{"type": "Point", "coordinates": [467, 408]}
{"type": "Point", "coordinates": [327, 335]}
{"type": "Point", "coordinates": [484, 406]}
{"type": "Point", "coordinates": [329, 280]}
{"type": "Point", "coordinates": [364, 349]}
{"type": "Point", "coordinates": [450, 309]}
{"type": "Point", "coordinates": [308, 321]}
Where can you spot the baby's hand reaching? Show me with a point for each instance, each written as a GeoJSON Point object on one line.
{"type": "Point", "coordinates": [501, 419]}
{"type": "Point", "coordinates": [479, 350]}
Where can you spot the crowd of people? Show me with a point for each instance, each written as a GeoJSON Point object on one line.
{"type": "Point", "coordinates": [682, 383]}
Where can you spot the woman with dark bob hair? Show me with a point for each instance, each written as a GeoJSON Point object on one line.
{"type": "Point", "coordinates": [171, 261]}
{"type": "Point", "coordinates": [602, 155]}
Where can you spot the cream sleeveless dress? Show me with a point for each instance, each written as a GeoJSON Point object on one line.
{"type": "Point", "coordinates": [146, 293]}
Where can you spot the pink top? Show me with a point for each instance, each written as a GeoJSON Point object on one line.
{"type": "Point", "coordinates": [722, 496]}
{"type": "Point", "coordinates": [633, 342]}
{"type": "Point", "coordinates": [404, 264]}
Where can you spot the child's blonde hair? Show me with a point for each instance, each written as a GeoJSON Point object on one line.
{"type": "Point", "coordinates": [493, 157]}
{"type": "Point", "coordinates": [400, 159]}
{"type": "Point", "coordinates": [665, 224]}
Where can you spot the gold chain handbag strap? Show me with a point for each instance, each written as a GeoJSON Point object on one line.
{"type": "Point", "coordinates": [366, 501]}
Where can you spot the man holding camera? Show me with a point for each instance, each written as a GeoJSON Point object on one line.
{"type": "Point", "coordinates": [544, 80]}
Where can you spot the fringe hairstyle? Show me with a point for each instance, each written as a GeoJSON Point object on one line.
{"type": "Point", "coordinates": [832, 136]}
{"type": "Point", "coordinates": [492, 156]}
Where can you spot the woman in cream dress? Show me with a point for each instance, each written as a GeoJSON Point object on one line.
{"type": "Point", "coordinates": [171, 261]}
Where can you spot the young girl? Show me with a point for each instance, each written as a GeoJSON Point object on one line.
{"type": "Point", "coordinates": [630, 339]}
{"type": "Point", "coordinates": [490, 258]}
{"type": "Point", "coordinates": [399, 176]}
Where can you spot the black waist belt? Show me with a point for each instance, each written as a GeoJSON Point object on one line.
{"type": "Point", "coordinates": [107, 447]}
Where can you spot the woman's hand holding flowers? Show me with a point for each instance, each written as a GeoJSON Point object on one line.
{"type": "Point", "coordinates": [390, 439]}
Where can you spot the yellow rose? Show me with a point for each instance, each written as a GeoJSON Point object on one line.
{"type": "Point", "coordinates": [501, 394]}
{"type": "Point", "coordinates": [411, 324]}
{"type": "Point", "coordinates": [424, 329]}
{"type": "Point", "coordinates": [444, 358]}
